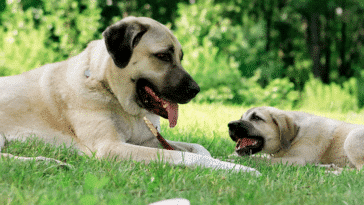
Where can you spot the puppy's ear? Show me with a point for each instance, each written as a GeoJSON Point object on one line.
{"type": "Point", "coordinates": [122, 37]}
{"type": "Point", "coordinates": [287, 129]}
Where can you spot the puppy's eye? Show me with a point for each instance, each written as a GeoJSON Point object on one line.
{"type": "Point", "coordinates": [164, 57]}
{"type": "Point", "coordinates": [255, 117]}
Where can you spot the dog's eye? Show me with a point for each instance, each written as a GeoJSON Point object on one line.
{"type": "Point", "coordinates": [255, 117]}
{"type": "Point", "coordinates": [163, 56]}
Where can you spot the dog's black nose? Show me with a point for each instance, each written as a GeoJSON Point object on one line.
{"type": "Point", "coordinates": [180, 87]}
{"type": "Point", "coordinates": [192, 89]}
{"type": "Point", "coordinates": [233, 125]}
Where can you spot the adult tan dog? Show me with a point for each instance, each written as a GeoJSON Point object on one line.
{"type": "Point", "coordinates": [298, 138]}
{"type": "Point", "coordinates": [97, 99]}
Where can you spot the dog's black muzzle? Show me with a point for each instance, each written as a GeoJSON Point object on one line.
{"type": "Point", "coordinates": [179, 86]}
{"type": "Point", "coordinates": [241, 129]}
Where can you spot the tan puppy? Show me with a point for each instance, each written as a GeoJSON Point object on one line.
{"type": "Point", "coordinates": [298, 138]}
{"type": "Point", "coordinates": [97, 99]}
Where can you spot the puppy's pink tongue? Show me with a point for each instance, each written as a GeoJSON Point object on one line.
{"type": "Point", "coordinates": [172, 110]}
{"type": "Point", "coordinates": [244, 142]}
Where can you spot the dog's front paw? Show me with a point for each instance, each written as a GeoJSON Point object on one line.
{"type": "Point", "coordinates": [238, 168]}
{"type": "Point", "coordinates": [209, 162]}
{"type": "Point", "coordinates": [199, 149]}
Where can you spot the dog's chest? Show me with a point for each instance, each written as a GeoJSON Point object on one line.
{"type": "Point", "coordinates": [133, 130]}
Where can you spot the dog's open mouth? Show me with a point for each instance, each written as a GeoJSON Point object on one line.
{"type": "Point", "coordinates": [248, 146]}
{"type": "Point", "coordinates": [244, 142]}
{"type": "Point", "coordinates": [153, 102]}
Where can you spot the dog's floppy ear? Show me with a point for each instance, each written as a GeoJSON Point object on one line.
{"type": "Point", "coordinates": [287, 129]}
{"type": "Point", "coordinates": [121, 38]}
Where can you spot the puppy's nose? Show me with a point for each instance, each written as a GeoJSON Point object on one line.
{"type": "Point", "coordinates": [233, 125]}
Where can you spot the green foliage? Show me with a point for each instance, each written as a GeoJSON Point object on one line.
{"type": "Point", "coordinates": [208, 68]}
{"type": "Point", "coordinates": [330, 98]}
{"type": "Point", "coordinates": [243, 43]}
{"type": "Point", "coordinates": [21, 46]}
{"type": "Point", "coordinates": [218, 54]}
{"type": "Point", "coordinates": [279, 92]}
{"type": "Point", "coordinates": [226, 55]}
{"type": "Point", "coordinates": [230, 63]}
{"type": "Point", "coordinates": [299, 73]}
{"type": "Point", "coordinates": [35, 33]}
{"type": "Point", "coordinates": [32, 37]}
{"type": "Point", "coordinates": [72, 23]}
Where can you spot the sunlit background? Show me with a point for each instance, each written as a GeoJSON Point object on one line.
{"type": "Point", "coordinates": [284, 53]}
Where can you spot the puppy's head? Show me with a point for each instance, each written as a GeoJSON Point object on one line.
{"type": "Point", "coordinates": [148, 73]}
{"type": "Point", "coordinates": [263, 129]}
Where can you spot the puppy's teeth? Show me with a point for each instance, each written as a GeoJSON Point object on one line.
{"type": "Point", "coordinates": [165, 105]}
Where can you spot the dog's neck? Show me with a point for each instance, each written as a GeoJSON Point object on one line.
{"type": "Point", "coordinates": [296, 128]}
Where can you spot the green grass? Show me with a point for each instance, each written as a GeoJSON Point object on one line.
{"type": "Point", "coordinates": [93, 181]}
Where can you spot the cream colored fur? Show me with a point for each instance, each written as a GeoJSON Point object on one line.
{"type": "Point", "coordinates": [299, 138]}
{"type": "Point", "coordinates": [98, 114]}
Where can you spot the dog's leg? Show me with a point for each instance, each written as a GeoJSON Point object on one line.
{"type": "Point", "coordinates": [298, 159]}
{"type": "Point", "coordinates": [39, 158]}
{"type": "Point", "coordinates": [181, 146]}
{"type": "Point", "coordinates": [147, 154]}
{"type": "Point", "coordinates": [125, 151]}
{"type": "Point", "coordinates": [191, 147]}
{"type": "Point", "coordinates": [2, 141]}
{"type": "Point", "coordinates": [289, 161]}
{"type": "Point", "coordinates": [354, 147]}
{"type": "Point", "coordinates": [331, 168]}
{"type": "Point", "coordinates": [105, 139]}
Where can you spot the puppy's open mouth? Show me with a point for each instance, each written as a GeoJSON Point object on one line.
{"type": "Point", "coordinates": [244, 142]}
{"type": "Point", "coordinates": [249, 146]}
{"type": "Point", "coordinates": [154, 102]}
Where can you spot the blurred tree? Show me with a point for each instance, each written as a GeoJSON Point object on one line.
{"type": "Point", "coordinates": [328, 32]}
{"type": "Point", "coordinates": [311, 11]}
{"type": "Point", "coordinates": [332, 43]}
{"type": "Point", "coordinates": [160, 10]}
{"type": "Point", "coordinates": [351, 37]}
{"type": "Point", "coordinates": [31, 4]}
{"type": "Point", "coordinates": [2, 7]}
{"type": "Point", "coordinates": [324, 36]}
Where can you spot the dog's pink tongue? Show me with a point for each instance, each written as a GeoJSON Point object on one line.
{"type": "Point", "coordinates": [162, 107]}
{"type": "Point", "coordinates": [172, 110]}
{"type": "Point", "coordinates": [243, 142]}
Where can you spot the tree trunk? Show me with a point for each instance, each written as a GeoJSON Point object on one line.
{"type": "Point", "coordinates": [267, 7]}
{"type": "Point", "coordinates": [342, 68]}
{"type": "Point", "coordinates": [269, 18]}
{"type": "Point", "coordinates": [328, 42]}
{"type": "Point", "coordinates": [314, 45]}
